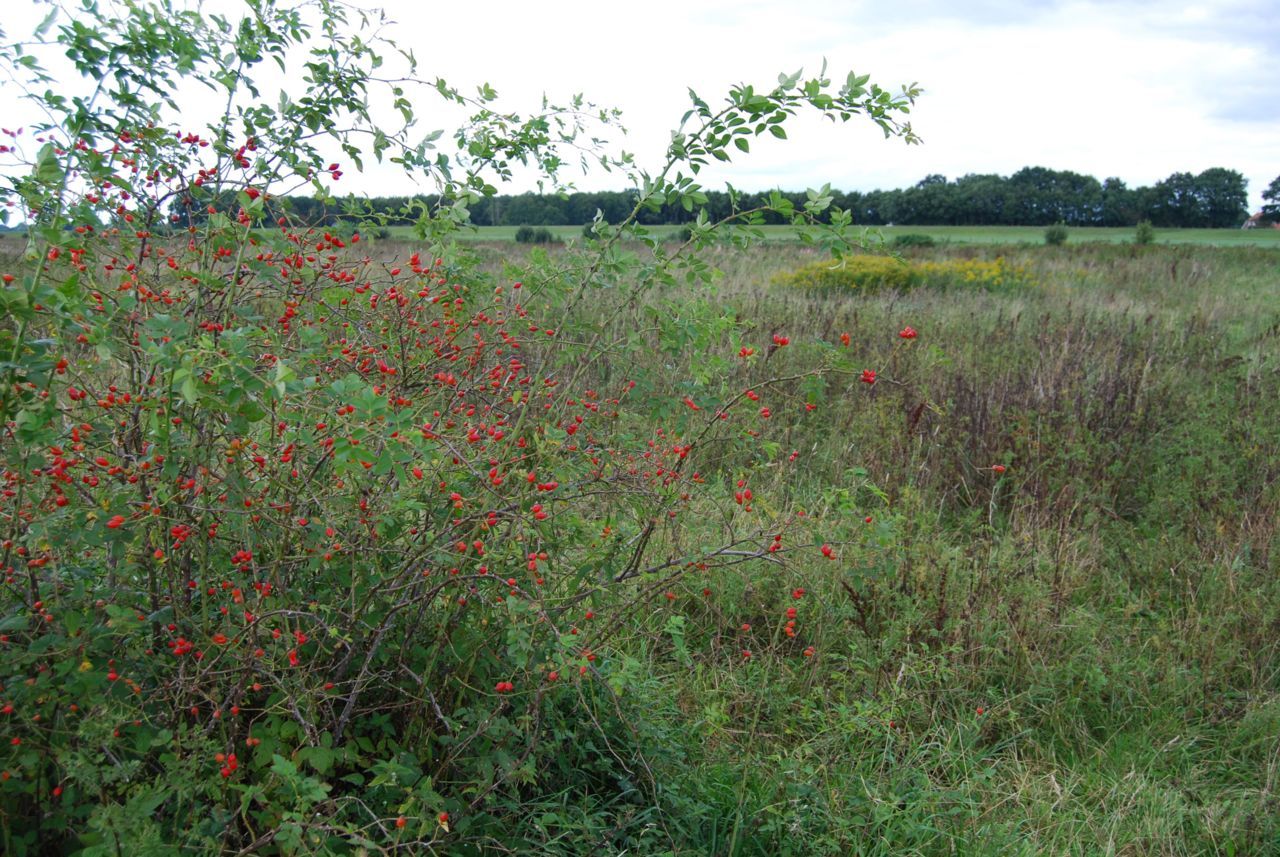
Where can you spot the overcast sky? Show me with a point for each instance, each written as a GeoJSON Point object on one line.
{"type": "Point", "coordinates": [1131, 89]}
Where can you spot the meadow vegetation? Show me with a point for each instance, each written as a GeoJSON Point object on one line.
{"type": "Point", "coordinates": [981, 235]}
{"type": "Point", "coordinates": [869, 273]}
{"type": "Point", "coordinates": [1076, 655]}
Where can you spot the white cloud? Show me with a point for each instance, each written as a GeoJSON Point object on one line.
{"type": "Point", "coordinates": [1133, 89]}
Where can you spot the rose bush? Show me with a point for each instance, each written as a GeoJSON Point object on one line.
{"type": "Point", "coordinates": [308, 549]}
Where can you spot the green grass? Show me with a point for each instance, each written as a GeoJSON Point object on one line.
{"type": "Point", "coordinates": [1081, 235]}
{"type": "Point", "coordinates": [957, 235]}
{"type": "Point", "coordinates": [1111, 601]}
{"type": "Point", "coordinates": [954, 234]}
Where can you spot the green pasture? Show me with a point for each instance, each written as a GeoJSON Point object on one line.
{"type": "Point", "coordinates": [960, 235]}
{"type": "Point", "coordinates": [946, 234]}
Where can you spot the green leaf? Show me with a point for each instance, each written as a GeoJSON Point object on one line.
{"type": "Point", "coordinates": [283, 767]}
{"type": "Point", "coordinates": [47, 22]}
{"type": "Point", "coordinates": [14, 623]}
{"type": "Point", "coordinates": [48, 170]}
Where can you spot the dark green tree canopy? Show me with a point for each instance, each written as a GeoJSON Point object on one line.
{"type": "Point", "coordinates": [1271, 209]}
{"type": "Point", "coordinates": [1033, 196]}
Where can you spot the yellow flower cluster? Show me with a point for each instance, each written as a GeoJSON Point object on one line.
{"type": "Point", "coordinates": [872, 273]}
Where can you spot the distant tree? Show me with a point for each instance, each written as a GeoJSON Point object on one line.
{"type": "Point", "coordinates": [534, 209]}
{"type": "Point", "coordinates": [1120, 205]}
{"type": "Point", "coordinates": [932, 200]}
{"type": "Point", "coordinates": [1042, 196]}
{"type": "Point", "coordinates": [1034, 196]}
{"type": "Point", "coordinates": [1271, 209]}
{"type": "Point", "coordinates": [1224, 197]}
{"type": "Point", "coordinates": [981, 200]}
{"type": "Point", "coordinates": [1215, 199]}
{"type": "Point", "coordinates": [1175, 203]}
{"type": "Point", "coordinates": [877, 207]}
{"type": "Point", "coordinates": [1029, 201]}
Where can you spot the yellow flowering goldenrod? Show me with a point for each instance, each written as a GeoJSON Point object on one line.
{"type": "Point", "coordinates": [871, 273]}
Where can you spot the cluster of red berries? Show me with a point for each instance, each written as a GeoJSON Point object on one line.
{"type": "Point", "coordinates": [228, 763]}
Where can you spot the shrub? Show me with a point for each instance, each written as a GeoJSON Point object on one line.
{"type": "Point", "coordinates": [913, 239]}
{"type": "Point", "coordinates": [872, 273]}
{"type": "Point", "coordinates": [993, 274]}
{"type": "Point", "coordinates": [306, 552]}
{"type": "Point", "coordinates": [1056, 235]}
{"type": "Point", "coordinates": [534, 235]}
{"type": "Point", "coordinates": [1145, 233]}
{"type": "Point", "coordinates": [865, 273]}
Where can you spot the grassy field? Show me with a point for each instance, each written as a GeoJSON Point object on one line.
{"type": "Point", "coordinates": [1079, 656]}
{"type": "Point", "coordinates": [958, 234]}
{"type": "Point", "coordinates": [1104, 603]}
{"type": "Point", "coordinates": [10, 244]}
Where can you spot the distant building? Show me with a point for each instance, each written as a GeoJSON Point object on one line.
{"type": "Point", "coordinates": [1260, 221]}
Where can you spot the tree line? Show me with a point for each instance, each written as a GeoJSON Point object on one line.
{"type": "Point", "coordinates": [1033, 196]}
